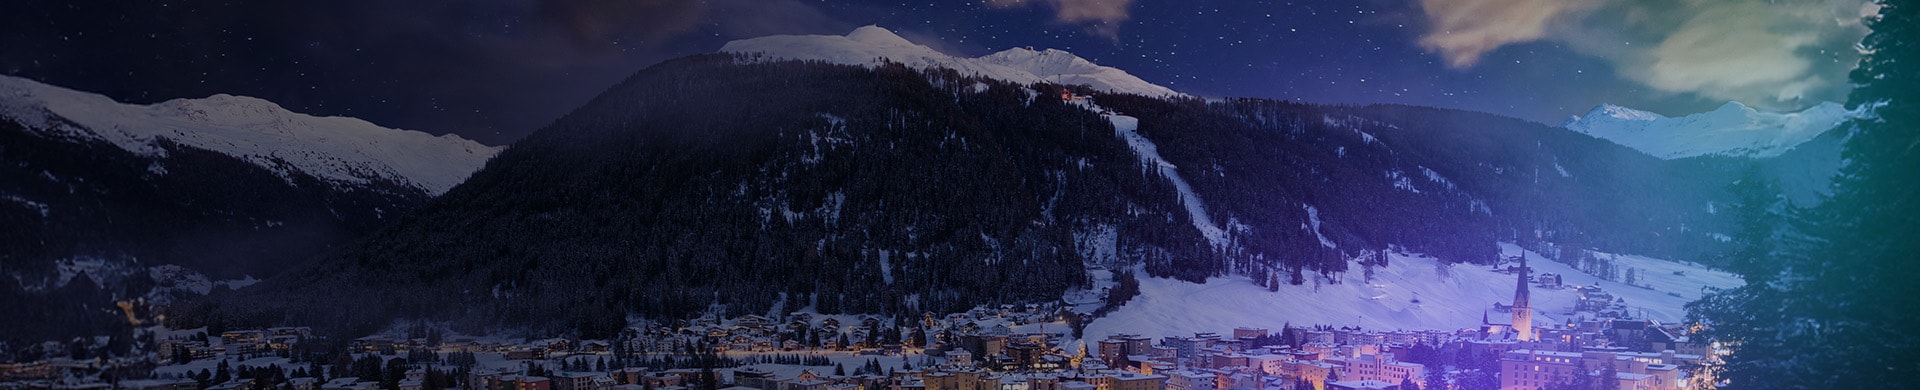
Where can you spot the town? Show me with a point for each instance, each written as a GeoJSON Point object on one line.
{"type": "Point", "coordinates": [1008, 347]}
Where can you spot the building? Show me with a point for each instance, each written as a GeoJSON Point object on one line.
{"type": "Point", "coordinates": [1523, 305]}
{"type": "Point", "coordinates": [1380, 368]}
{"type": "Point", "coordinates": [1315, 372]}
{"type": "Point", "coordinates": [534, 383]}
{"type": "Point", "coordinates": [574, 381]}
{"type": "Point", "coordinates": [1190, 347]}
{"type": "Point", "coordinates": [1249, 332]}
{"type": "Point", "coordinates": [1527, 369]}
{"type": "Point", "coordinates": [1120, 346]}
{"type": "Point", "coordinates": [755, 378]}
{"type": "Point", "coordinates": [960, 358]}
{"type": "Point", "coordinates": [940, 381]}
{"type": "Point", "coordinates": [1189, 380]}
{"type": "Point", "coordinates": [1267, 364]}
{"type": "Point", "coordinates": [1131, 381]}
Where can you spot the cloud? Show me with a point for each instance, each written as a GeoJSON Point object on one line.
{"type": "Point", "coordinates": [1779, 54]}
{"type": "Point", "coordinates": [1463, 30]}
{"type": "Point", "coordinates": [1101, 17]}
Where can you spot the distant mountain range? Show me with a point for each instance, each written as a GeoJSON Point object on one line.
{"type": "Point", "coordinates": [1733, 130]}
{"type": "Point", "coordinates": [864, 173]}
{"type": "Point", "coordinates": [855, 173]}
{"type": "Point", "coordinates": [345, 152]}
{"type": "Point", "coordinates": [873, 45]}
{"type": "Point", "coordinates": [134, 200]}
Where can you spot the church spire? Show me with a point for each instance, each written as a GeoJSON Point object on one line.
{"type": "Point", "coordinates": [1522, 305]}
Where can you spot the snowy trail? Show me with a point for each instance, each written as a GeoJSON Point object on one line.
{"type": "Point", "coordinates": [1128, 129]}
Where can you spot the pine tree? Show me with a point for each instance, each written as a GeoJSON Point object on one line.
{"type": "Point", "coordinates": [222, 373]}
{"type": "Point", "coordinates": [1840, 309]}
{"type": "Point", "coordinates": [1436, 377]}
{"type": "Point", "coordinates": [1756, 199]}
{"type": "Point", "coordinates": [1609, 377]}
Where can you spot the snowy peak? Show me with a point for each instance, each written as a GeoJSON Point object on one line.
{"type": "Point", "coordinates": [338, 149]}
{"type": "Point", "coordinates": [1621, 113]}
{"type": "Point", "coordinates": [873, 45]}
{"type": "Point", "coordinates": [1734, 129]}
{"type": "Point", "coordinates": [878, 36]}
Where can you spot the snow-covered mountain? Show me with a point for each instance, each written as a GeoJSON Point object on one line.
{"type": "Point", "coordinates": [851, 187]}
{"type": "Point", "coordinates": [341, 150]}
{"type": "Point", "coordinates": [1734, 129]}
{"type": "Point", "coordinates": [874, 45]}
{"type": "Point", "coordinates": [141, 199]}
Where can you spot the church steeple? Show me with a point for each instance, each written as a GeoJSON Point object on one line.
{"type": "Point", "coordinates": [1522, 305]}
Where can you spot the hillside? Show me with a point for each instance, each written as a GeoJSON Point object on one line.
{"type": "Point", "coordinates": [765, 186]}
{"type": "Point", "coordinates": [104, 201]}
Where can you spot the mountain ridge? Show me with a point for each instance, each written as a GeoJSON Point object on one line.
{"type": "Point", "coordinates": [733, 182]}
{"type": "Point", "coordinates": [871, 45]}
{"type": "Point", "coordinates": [344, 150]}
{"type": "Point", "coordinates": [1733, 129]}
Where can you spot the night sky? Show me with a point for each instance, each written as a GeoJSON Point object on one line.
{"type": "Point", "coordinates": [495, 70]}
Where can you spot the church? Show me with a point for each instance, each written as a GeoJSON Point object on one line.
{"type": "Point", "coordinates": [1521, 326]}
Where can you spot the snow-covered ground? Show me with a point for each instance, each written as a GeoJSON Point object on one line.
{"type": "Point", "coordinates": [868, 46]}
{"type": "Point", "coordinates": [1449, 298]}
{"type": "Point", "coordinates": [340, 149]}
{"type": "Point", "coordinates": [1668, 277]}
{"type": "Point", "coordinates": [1733, 129]}
{"type": "Point", "coordinates": [212, 364]}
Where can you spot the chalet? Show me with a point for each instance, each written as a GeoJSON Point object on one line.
{"type": "Point", "coordinates": [243, 336]}
{"type": "Point", "coordinates": [526, 353]}
{"type": "Point", "coordinates": [752, 320]}
{"type": "Point", "coordinates": [555, 345]}
{"type": "Point", "coordinates": [373, 343]}
{"type": "Point", "coordinates": [1548, 280]}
